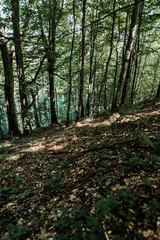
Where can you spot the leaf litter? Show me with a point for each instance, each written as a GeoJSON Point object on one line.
{"type": "Point", "coordinates": [99, 179]}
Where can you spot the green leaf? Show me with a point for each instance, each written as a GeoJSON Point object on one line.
{"type": "Point", "coordinates": [32, 168]}
{"type": "Point", "coordinates": [91, 221]}
{"type": "Point", "coordinates": [92, 236]}
{"type": "Point", "coordinates": [147, 140]}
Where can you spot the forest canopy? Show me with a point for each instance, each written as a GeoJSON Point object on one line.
{"type": "Point", "coordinates": [62, 60]}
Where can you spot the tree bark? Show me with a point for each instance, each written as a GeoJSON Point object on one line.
{"type": "Point", "coordinates": [81, 106]}
{"type": "Point", "coordinates": [70, 67]}
{"type": "Point", "coordinates": [158, 91]}
{"type": "Point", "coordinates": [137, 57]}
{"type": "Point", "coordinates": [91, 88]}
{"type": "Point", "coordinates": [109, 58]}
{"type": "Point", "coordinates": [50, 49]}
{"type": "Point", "coordinates": [20, 65]}
{"type": "Point", "coordinates": [35, 109]}
{"type": "Point", "coordinates": [51, 69]}
{"type": "Point", "coordinates": [126, 83]}
{"type": "Point", "coordinates": [118, 98]}
{"type": "Point", "coordinates": [9, 88]}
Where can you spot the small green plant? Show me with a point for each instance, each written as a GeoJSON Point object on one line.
{"type": "Point", "coordinates": [152, 211]}
{"type": "Point", "coordinates": [71, 223]}
{"type": "Point", "coordinates": [105, 206]}
{"type": "Point", "coordinates": [4, 149]}
{"type": "Point", "coordinates": [17, 232]}
{"type": "Point", "coordinates": [147, 140]}
{"type": "Point", "coordinates": [54, 183]}
{"type": "Point", "coordinates": [10, 187]}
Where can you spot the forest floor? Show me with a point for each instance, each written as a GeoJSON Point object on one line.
{"type": "Point", "coordinates": [96, 180]}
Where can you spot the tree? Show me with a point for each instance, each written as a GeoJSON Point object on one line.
{"type": "Point", "coordinates": [70, 66]}
{"type": "Point", "coordinates": [109, 58]}
{"type": "Point", "coordinates": [132, 33]}
{"type": "Point", "coordinates": [50, 48]}
{"type": "Point", "coordinates": [9, 86]}
{"type": "Point", "coordinates": [158, 91]}
{"type": "Point", "coordinates": [20, 65]}
{"type": "Point", "coordinates": [81, 105]}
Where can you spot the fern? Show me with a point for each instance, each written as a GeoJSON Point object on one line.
{"type": "Point", "coordinates": [147, 140]}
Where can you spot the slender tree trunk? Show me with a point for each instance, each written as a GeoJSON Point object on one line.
{"type": "Point", "coordinates": [20, 65]}
{"type": "Point", "coordinates": [140, 73]}
{"type": "Point", "coordinates": [9, 89]}
{"type": "Point", "coordinates": [35, 109]}
{"type": "Point", "coordinates": [115, 76]}
{"type": "Point", "coordinates": [155, 76]}
{"type": "Point", "coordinates": [50, 49]}
{"type": "Point", "coordinates": [118, 98]}
{"type": "Point", "coordinates": [91, 73]}
{"type": "Point", "coordinates": [124, 93]}
{"type": "Point", "coordinates": [93, 107]}
{"type": "Point", "coordinates": [134, 80]}
{"type": "Point", "coordinates": [51, 69]}
{"type": "Point", "coordinates": [109, 58]}
{"type": "Point", "coordinates": [81, 106]}
{"type": "Point", "coordinates": [70, 67]}
{"type": "Point", "coordinates": [158, 91]}
{"type": "Point", "coordinates": [90, 87]}
{"type": "Point", "coordinates": [116, 67]}
{"type": "Point", "coordinates": [126, 83]}
{"type": "Point", "coordinates": [137, 56]}
{"type": "Point", "coordinates": [93, 69]}
{"type": "Point", "coordinates": [125, 37]}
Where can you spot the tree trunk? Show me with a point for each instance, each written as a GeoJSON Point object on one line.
{"type": "Point", "coordinates": [35, 110]}
{"type": "Point", "coordinates": [118, 98]}
{"type": "Point", "coordinates": [137, 57]}
{"type": "Point", "coordinates": [50, 49]}
{"type": "Point", "coordinates": [70, 67]}
{"type": "Point", "coordinates": [51, 69]}
{"type": "Point", "coordinates": [126, 83]}
{"type": "Point", "coordinates": [109, 59]}
{"type": "Point", "coordinates": [9, 89]}
{"type": "Point", "coordinates": [116, 67]}
{"type": "Point", "coordinates": [158, 91]}
{"type": "Point", "coordinates": [81, 107]}
{"type": "Point", "coordinates": [20, 65]}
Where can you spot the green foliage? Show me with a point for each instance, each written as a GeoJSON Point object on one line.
{"type": "Point", "coordinates": [4, 149]}
{"type": "Point", "coordinates": [147, 140]}
{"type": "Point", "coordinates": [152, 211]}
{"type": "Point", "coordinates": [54, 183]}
{"type": "Point", "coordinates": [104, 207]}
{"type": "Point", "coordinates": [152, 161]}
{"type": "Point", "coordinates": [17, 232]}
{"type": "Point", "coordinates": [72, 220]}
{"type": "Point", "coordinates": [10, 186]}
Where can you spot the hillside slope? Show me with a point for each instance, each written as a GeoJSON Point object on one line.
{"type": "Point", "coordinates": [99, 179]}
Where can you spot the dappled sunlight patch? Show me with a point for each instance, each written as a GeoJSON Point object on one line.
{"type": "Point", "coordinates": [13, 157]}
{"type": "Point", "coordinates": [114, 117]}
{"type": "Point", "coordinates": [84, 176]}
{"type": "Point", "coordinates": [57, 147]}
{"type": "Point", "coordinates": [137, 116]}
{"type": "Point", "coordinates": [33, 148]}
{"type": "Point", "coordinates": [92, 124]}
{"type": "Point", "coordinates": [55, 142]}
{"type": "Point", "coordinates": [106, 123]}
{"type": "Point", "coordinates": [74, 138]}
{"type": "Point", "coordinates": [154, 113]}
{"type": "Point", "coordinates": [129, 118]}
